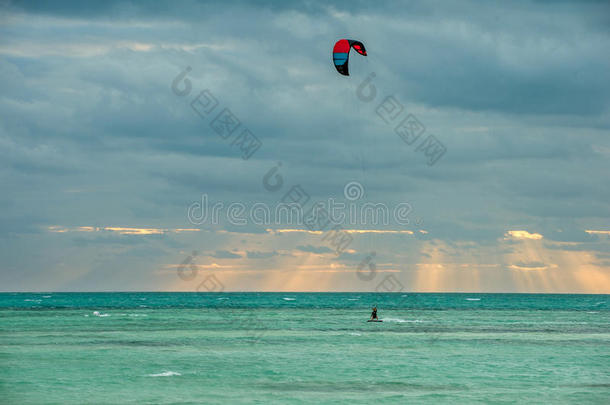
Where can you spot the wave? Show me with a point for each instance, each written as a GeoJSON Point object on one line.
{"type": "Point", "coordinates": [398, 320]}
{"type": "Point", "coordinates": [473, 299]}
{"type": "Point", "coordinates": [98, 313]}
{"type": "Point", "coordinates": [164, 374]}
{"type": "Point", "coordinates": [288, 299]}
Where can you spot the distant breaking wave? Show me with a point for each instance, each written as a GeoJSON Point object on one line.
{"type": "Point", "coordinates": [398, 320]}
{"type": "Point", "coordinates": [164, 374]}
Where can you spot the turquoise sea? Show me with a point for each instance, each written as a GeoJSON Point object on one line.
{"type": "Point", "coordinates": [190, 348]}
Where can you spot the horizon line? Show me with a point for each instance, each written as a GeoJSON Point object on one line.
{"type": "Point", "coordinates": [295, 292]}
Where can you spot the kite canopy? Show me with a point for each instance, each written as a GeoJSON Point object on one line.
{"type": "Point", "coordinates": [341, 53]}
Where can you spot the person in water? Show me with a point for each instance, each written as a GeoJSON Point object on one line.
{"type": "Point", "coordinates": [374, 314]}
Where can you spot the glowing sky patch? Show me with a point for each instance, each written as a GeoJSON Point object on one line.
{"type": "Point", "coordinates": [524, 235]}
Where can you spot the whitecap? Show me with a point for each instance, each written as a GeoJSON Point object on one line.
{"type": "Point", "coordinates": [46, 296]}
{"type": "Point", "coordinates": [473, 299]}
{"type": "Point", "coordinates": [288, 299]}
{"type": "Point", "coordinates": [398, 320]}
{"type": "Point", "coordinates": [593, 312]}
{"type": "Point", "coordinates": [222, 298]}
{"type": "Point", "coordinates": [164, 374]}
{"type": "Point", "coordinates": [353, 299]}
{"type": "Point", "coordinates": [355, 334]}
{"type": "Point", "coordinates": [97, 313]}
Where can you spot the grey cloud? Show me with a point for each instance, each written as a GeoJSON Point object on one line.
{"type": "Point", "coordinates": [314, 249]}
{"type": "Point", "coordinates": [92, 133]}
{"type": "Point", "coordinates": [261, 255]}
{"type": "Point", "coordinates": [225, 254]}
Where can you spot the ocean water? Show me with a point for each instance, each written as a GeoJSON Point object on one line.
{"type": "Point", "coordinates": [188, 348]}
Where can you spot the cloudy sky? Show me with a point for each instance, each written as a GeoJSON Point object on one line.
{"type": "Point", "coordinates": [110, 151]}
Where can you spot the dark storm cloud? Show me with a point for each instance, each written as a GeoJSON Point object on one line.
{"type": "Point", "coordinates": [189, 9]}
{"type": "Point", "coordinates": [91, 132]}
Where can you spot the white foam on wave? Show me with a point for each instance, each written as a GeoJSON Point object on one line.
{"type": "Point", "coordinates": [98, 313]}
{"type": "Point", "coordinates": [288, 299]}
{"type": "Point", "coordinates": [473, 299]}
{"type": "Point", "coordinates": [355, 334]}
{"type": "Point", "coordinates": [222, 298]}
{"type": "Point", "coordinates": [593, 312]}
{"type": "Point", "coordinates": [353, 299]}
{"type": "Point", "coordinates": [46, 296]}
{"type": "Point", "coordinates": [164, 374]}
{"type": "Point", "coordinates": [33, 300]}
{"type": "Point", "coordinates": [398, 320]}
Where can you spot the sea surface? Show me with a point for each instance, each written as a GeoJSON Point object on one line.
{"type": "Point", "coordinates": [190, 348]}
